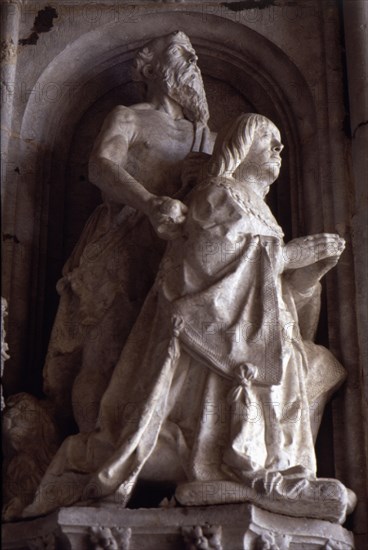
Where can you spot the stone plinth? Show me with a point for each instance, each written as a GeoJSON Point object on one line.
{"type": "Point", "coordinates": [223, 527]}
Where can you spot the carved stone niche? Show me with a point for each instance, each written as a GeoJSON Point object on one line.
{"type": "Point", "coordinates": [224, 527]}
{"type": "Point", "coordinates": [250, 57]}
{"type": "Point", "coordinates": [248, 74]}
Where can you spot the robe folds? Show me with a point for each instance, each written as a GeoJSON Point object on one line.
{"type": "Point", "coordinates": [220, 365]}
{"type": "Point", "coordinates": [114, 264]}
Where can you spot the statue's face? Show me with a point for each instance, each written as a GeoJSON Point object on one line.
{"type": "Point", "coordinates": [174, 55]}
{"type": "Point", "coordinates": [168, 66]}
{"type": "Point", "coordinates": [179, 62]}
{"type": "Point", "coordinates": [181, 79]}
{"type": "Point", "coordinates": [181, 53]}
{"type": "Point", "coordinates": [263, 161]}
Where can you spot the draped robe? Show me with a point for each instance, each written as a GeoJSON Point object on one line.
{"type": "Point", "coordinates": [101, 293]}
{"type": "Point", "coordinates": [216, 365]}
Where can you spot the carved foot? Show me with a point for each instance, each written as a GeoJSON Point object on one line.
{"type": "Point", "coordinates": [326, 499]}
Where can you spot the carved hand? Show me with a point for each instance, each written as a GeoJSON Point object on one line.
{"type": "Point", "coordinates": [167, 216]}
{"type": "Point", "coordinates": [306, 251]}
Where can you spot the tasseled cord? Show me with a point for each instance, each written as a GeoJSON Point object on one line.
{"type": "Point", "coordinates": [243, 376]}
{"type": "Point", "coordinates": [174, 346]}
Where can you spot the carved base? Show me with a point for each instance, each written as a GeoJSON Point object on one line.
{"type": "Point", "coordinates": [222, 527]}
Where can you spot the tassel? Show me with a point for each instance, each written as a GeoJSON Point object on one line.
{"type": "Point", "coordinates": [174, 346]}
{"type": "Point", "coordinates": [243, 376]}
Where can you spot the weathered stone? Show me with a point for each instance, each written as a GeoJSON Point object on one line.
{"type": "Point", "coordinates": [208, 333]}
{"type": "Point", "coordinates": [232, 527]}
{"type": "Point", "coordinates": [284, 59]}
{"type": "Point", "coordinates": [4, 346]}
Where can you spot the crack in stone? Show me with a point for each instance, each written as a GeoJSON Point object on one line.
{"type": "Point", "coordinates": [248, 5]}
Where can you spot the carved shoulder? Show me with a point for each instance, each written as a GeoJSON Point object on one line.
{"type": "Point", "coordinates": [142, 107]}
{"type": "Point", "coordinates": [118, 120]}
{"type": "Point", "coordinates": [122, 116]}
{"type": "Point", "coordinates": [117, 132]}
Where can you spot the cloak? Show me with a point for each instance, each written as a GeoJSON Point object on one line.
{"type": "Point", "coordinates": [215, 363]}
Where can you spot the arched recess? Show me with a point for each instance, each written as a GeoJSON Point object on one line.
{"type": "Point", "coordinates": [89, 69]}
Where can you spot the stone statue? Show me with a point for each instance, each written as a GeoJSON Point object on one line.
{"type": "Point", "coordinates": [30, 440]}
{"type": "Point", "coordinates": [216, 384]}
{"type": "Point", "coordinates": [136, 161]}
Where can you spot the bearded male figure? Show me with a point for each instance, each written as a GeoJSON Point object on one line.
{"type": "Point", "coordinates": [136, 161]}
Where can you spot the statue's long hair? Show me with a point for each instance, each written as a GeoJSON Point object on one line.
{"type": "Point", "coordinates": [233, 143]}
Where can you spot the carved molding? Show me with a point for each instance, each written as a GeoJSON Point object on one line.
{"type": "Point", "coordinates": [8, 51]}
{"type": "Point", "coordinates": [336, 545]}
{"type": "Point", "coordinates": [221, 527]}
{"type": "Point", "coordinates": [4, 346]}
{"type": "Point", "coordinates": [203, 537]}
{"type": "Point", "coordinates": [272, 541]}
{"type": "Point", "coordinates": [110, 538]}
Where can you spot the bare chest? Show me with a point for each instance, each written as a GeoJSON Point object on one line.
{"type": "Point", "coordinates": [155, 156]}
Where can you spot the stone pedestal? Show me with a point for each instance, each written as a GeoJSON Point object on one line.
{"type": "Point", "coordinates": [224, 527]}
{"type": "Point", "coordinates": [65, 66]}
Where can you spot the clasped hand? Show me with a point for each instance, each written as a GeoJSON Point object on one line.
{"type": "Point", "coordinates": [306, 251]}
{"type": "Point", "coordinates": [167, 216]}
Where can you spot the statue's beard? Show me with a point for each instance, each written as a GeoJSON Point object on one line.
{"type": "Point", "coordinates": [185, 86]}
